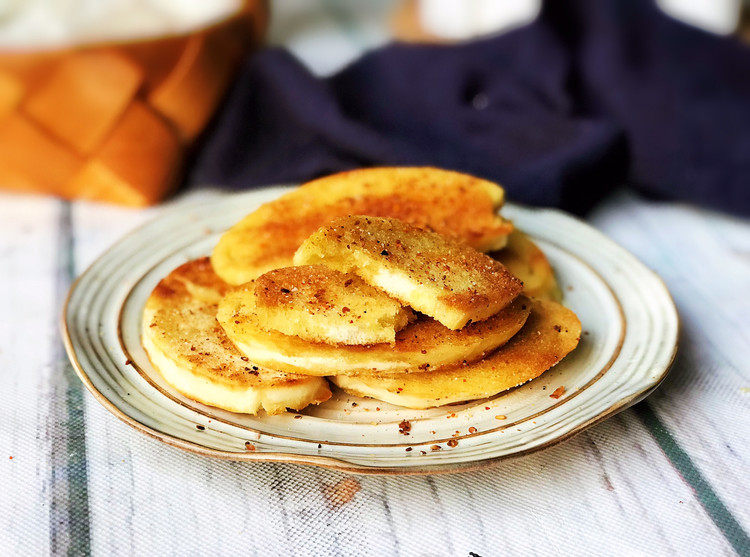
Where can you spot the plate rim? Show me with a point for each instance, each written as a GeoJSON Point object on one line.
{"type": "Point", "coordinates": [332, 462]}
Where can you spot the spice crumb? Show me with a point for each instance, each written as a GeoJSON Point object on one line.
{"type": "Point", "coordinates": [472, 430]}
{"type": "Point", "coordinates": [249, 446]}
{"type": "Point", "coordinates": [404, 427]}
{"type": "Point", "coordinates": [452, 443]}
{"type": "Point", "coordinates": [560, 391]}
{"type": "Point", "coordinates": [501, 417]}
{"type": "Point", "coordinates": [435, 448]}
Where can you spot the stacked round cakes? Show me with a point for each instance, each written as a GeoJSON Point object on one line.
{"type": "Point", "coordinates": [374, 279]}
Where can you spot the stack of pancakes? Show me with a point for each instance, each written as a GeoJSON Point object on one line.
{"type": "Point", "coordinates": [374, 279]}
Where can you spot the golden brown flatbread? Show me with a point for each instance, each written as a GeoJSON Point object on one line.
{"type": "Point", "coordinates": [441, 277]}
{"type": "Point", "coordinates": [191, 351]}
{"type": "Point", "coordinates": [319, 304]}
{"type": "Point", "coordinates": [451, 203]}
{"type": "Point", "coordinates": [550, 333]}
{"type": "Point", "coordinates": [423, 344]}
{"type": "Point", "coordinates": [527, 261]}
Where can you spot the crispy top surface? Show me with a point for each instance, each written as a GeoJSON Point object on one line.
{"type": "Point", "coordinates": [420, 337]}
{"type": "Point", "coordinates": [428, 334]}
{"type": "Point", "coordinates": [321, 304]}
{"type": "Point", "coordinates": [464, 278]}
{"type": "Point", "coordinates": [454, 204]}
{"type": "Point", "coordinates": [194, 281]}
{"type": "Point", "coordinates": [180, 318]}
{"type": "Point", "coordinates": [316, 289]}
{"type": "Point", "coordinates": [522, 257]}
{"type": "Point", "coordinates": [549, 334]}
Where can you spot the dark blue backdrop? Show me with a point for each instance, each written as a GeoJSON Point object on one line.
{"type": "Point", "coordinates": [594, 94]}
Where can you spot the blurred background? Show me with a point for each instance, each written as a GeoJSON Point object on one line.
{"type": "Point", "coordinates": [125, 101]}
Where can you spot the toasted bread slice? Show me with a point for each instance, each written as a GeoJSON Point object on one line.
{"type": "Point", "coordinates": [448, 202]}
{"type": "Point", "coordinates": [550, 333]}
{"type": "Point", "coordinates": [319, 304]}
{"type": "Point", "coordinates": [527, 261]}
{"type": "Point", "coordinates": [438, 276]}
{"type": "Point", "coordinates": [423, 344]}
{"type": "Point", "coordinates": [191, 351]}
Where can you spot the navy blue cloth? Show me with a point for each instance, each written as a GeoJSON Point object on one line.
{"type": "Point", "coordinates": [594, 94]}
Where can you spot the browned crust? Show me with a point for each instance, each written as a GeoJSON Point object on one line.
{"type": "Point", "coordinates": [317, 287]}
{"type": "Point", "coordinates": [469, 279]}
{"type": "Point", "coordinates": [178, 315]}
{"type": "Point", "coordinates": [549, 334]}
{"type": "Point", "coordinates": [417, 341]}
{"type": "Point", "coordinates": [281, 236]}
{"type": "Point", "coordinates": [426, 333]}
{"type": "Point", "coordinates": [527, 261]}
{"type": "Point", "coordinates": [453, 204]}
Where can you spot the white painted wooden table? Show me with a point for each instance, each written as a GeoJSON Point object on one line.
{"type": "Point", "coordinates": [667, 477]}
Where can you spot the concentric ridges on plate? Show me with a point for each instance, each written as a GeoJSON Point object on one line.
{"type": "Point", "coordinates": [176, 423]}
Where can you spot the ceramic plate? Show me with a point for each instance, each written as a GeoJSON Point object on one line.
{"type": "Point", "coordinates": [630, 334]}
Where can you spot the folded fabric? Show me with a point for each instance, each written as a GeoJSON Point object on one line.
{"type": "Point", "coordinates": [594, 94]}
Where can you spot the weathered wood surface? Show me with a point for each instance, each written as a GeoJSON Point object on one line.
{"type": "Point", "coordinates": [667, 477]}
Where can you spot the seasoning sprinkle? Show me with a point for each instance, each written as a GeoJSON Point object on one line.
{"type": "Point", "coordinates": [560, 391]}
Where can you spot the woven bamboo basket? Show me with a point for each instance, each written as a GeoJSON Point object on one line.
{"type": "Point", "coordinates": [114, 122]}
